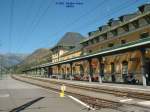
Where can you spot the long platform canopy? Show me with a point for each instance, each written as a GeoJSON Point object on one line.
{"type": "Point", "coordinates": [138, 44]}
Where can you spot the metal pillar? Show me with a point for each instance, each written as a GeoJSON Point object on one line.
{"type": "Point", "coordinates": [100, 69]}
{"type": "Point", "coordinates": [143, 67]}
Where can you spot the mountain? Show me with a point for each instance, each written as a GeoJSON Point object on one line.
{"type": "Point", "coordinates": [9, 60]}
{"type": "Point", "coordinates": [70, 39]}
{"type": "Point", "coordinates": [39, 56]}
{"type": "Point", "coordinates": [43, 55]}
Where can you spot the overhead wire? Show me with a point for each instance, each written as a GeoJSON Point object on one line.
{"type": "Point", "coordinates": [81, 16]}
{"type": "Point", "coordinates": [106, 15]}
{"type": "Point", "coordinates": [41, 16]}
{"type": "Point", "coordinates": [25, 25]}
{"type": "Point", "coordinates": [11, 24]}
{"type": "Point", "coordinates": [31, 24]}
{"type": "Point", "coordinates": [118, 8]}
{"type": "Point", "coordinates": [38, 18]}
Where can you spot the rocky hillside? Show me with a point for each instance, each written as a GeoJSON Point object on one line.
{"type": "Point", "coordinates": [43, 55]}
{"type": "Point", "coordinates": [39, 56]}
{"type": "Point", "coordinates": [9, 60]}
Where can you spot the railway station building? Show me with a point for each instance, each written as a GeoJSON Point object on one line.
{"type": "Point", "coordinates": [117, 52]}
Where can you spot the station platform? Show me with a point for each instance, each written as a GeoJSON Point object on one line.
{"type": "Point", "coordinates": [103, 85]}
{"type": "Point", "coordinates": [125, 86]}
{"type": "Point", "coordinates": [127, 94]}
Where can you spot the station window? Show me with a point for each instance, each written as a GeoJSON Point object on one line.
{"type": "Point", "coordinates": [110, 45]}
{"type": "Point", "coordinates": [144, 35]}
{"type": "Point", "coordinates": [124, 69]}
{"type": "Point", "coordinates": [71, 47]}
{"type": "Point", "coordinates": [90, 51]}
{"type": "Point", "coordinates": [115, 32]}
{"type": "Point", "coordinates": [147, 18]}
{"type": "Point", "coordinates": [97, 39]}
{"type": "Point", "coordinates": [126, 28]}
{"type": "Point", "coordinates": [92, 41]}
{"type": "Point", "coordinates": [105, 38]}
{"type": "Point", "coordinates": [136, 24]}
{"type": "Point", "coordinates": [112, 67]}
{"type": "Point", "coordinates": [123, 41]}
{"type": "Point", "coordinates": [85, 44]}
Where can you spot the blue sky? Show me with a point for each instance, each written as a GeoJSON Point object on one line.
{"type": "Point", "coordinates": [26, 25]}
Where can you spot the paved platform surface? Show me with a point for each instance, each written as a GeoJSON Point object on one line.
{"type": "Point", "coordinates": [111, 97]}
{"type": "Point", "coordinates": [124, 108]}
{"type": "Point", "coordinates": [126, 86]}
{"type": "Point", "coordinates": [14, 93]}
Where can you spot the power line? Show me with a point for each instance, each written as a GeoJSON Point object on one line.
{"type": "Point", "coordinates": [11, 24]}
{"type": "Point", "coordinates": [106, 15]}
{"type": "Point", "coordinates": [81, 16]}
{"type": "Point", "coordinates": [41, 16]}
{"type": "Point", "coordinates": [35, 24]}
{"type": "Point", "coordinates": [37, 14]}
{"type": "Point", "coordinates": [87, 13]}
{"type": "Point", "coordinates": [25, 25]}
{"type": "Point", "coordinates": [33, 20]}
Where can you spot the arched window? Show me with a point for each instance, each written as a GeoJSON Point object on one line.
{"type": "Point", "coordinates": [124, 67]}
{"type": "Point", "coordinates": [81, 70]}
{"type": "Point", "coordinates": [68, 70]}
{"type": "Point", "coordinates": [102, 69]}
{"type": "Point", "coordinates": [63, 71]}
{"type": "Point", "coordinates": [125, 70]}
{"type": "Point", "coordinates": [113, 72]}
{"type": "Point", "coordinates": [112, 67]}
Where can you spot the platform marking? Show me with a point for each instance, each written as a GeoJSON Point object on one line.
{"type": "Point", "coordinates": [126, 100]}
{"type": "Point", "coordinates": [4, 95]}
{"type": "Point", "coordinates": [147, 103]}
{"type": "Point", "coordinates": [75, 99]}
{"type": "Point", "coordinates": [82, 103]}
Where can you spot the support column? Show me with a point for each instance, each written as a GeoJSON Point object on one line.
{"type": "Point", "coordinates": [50, 72]}
{"type": "Point", "coordinates": [71, 71]}
{"type": "Point", "coordinates": [90, 69]}
{"type": "Point", "coordinates": [100, 70]}
{"type": "Point", "coordinates": [40, 70]}
{"type": "Point", "coordinates": [58, 71]}
{"type": "Point", "coordinates": [143, 67]}
{"type": "Point", "coordinates": [36, 72]}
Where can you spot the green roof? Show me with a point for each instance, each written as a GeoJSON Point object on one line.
{"type": "Point", "coordinates": [107, 51]}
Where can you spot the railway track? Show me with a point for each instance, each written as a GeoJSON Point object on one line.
{"type": "Point", "coordinates": [116, 92]}
{"type": "Point", "coordinates": [97, 103]}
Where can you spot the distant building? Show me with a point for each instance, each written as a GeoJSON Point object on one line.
{"type": "Point", "coordinates": [68, 42]}
{"type": "Point", "coordinates": [68, 47]}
